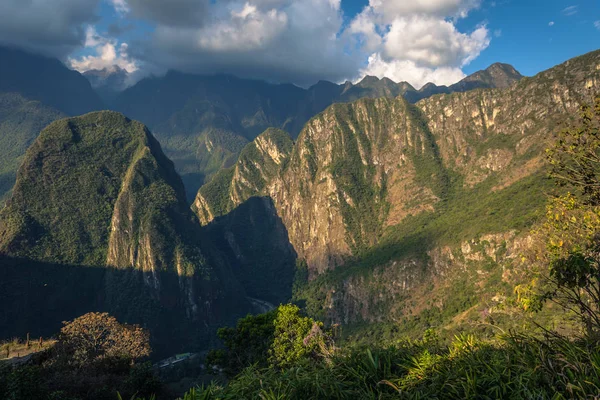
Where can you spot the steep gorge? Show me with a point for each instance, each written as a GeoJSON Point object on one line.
{"type": "Point", "coordinates": [371, 184]}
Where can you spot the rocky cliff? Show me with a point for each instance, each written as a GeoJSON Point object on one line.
{"type": "Point", "coordinates": [360, 167]}
{"type": "Point", "coordinates": [379, 192]}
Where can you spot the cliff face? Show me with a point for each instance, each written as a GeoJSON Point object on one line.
{"type": "Point", "coordinates": [361, 172]}
{"type": "Point", "coordinates": [506, 130]}
{"type": "Point", "coordinates": [258, 165]}
{"type": "Point", "coordinates": [350, 166]}
{"type": "Point", "coordinates": [98, 192]}
{"type": "Point", "coordinates": [352, 171]}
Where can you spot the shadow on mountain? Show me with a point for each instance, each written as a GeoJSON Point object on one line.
{"type": "Point", "coordinates": [37, 296]}
{"type": "Point", "coordinates": [255, 242]}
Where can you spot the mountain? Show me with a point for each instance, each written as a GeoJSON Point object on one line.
{"type": "Point", "coordinates": [21, 120]}
{"type": "Point", "coordinates": [413, 214]}
{"type": "Point", "coordinates": [108, 82]}
{"type": "Point", "coordinates": [48, 81]}
{"type": "Point", "coordinates": [252, 236]}
{"type": "Point", "coordinates": [34, 91]}
{"type": "Point", "coordinates": [204, 122]}
{"type": "Point", "coordinates": [97, 192]}
{"type": "Point", "coordinates": [497, 75]}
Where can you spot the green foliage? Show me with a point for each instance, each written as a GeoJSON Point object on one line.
{"type": "Point", "coordinates": [246, 344]}
{"type": "Point", "coordinates": [217, 192]}
{"type": "Point", "coordinates": [301, 276]}
{"type": "Point", "coordinates": [511, 366]}
{"type": "Point", "coordinates": [571, 231]}
{"type": "Point", "coordinates": [21, 120]}
{"type": "Point", "coordinates": [575, 155]}
{"type": "Point", "coordinates": [290, 344]}
{"type": "Point", "coordinates": [86, 159]}
{"type": "Point", "coordinates": [277, 339]}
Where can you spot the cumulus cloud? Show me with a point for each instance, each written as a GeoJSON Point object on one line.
{"type": "Point", "coordinates": [52, 27]}
{"type": "Point", "coordinates": [108, 54]}
{"type": "Point", "coordinates": [409, 71]}
{"type": "Point", "coordinates": [299, 41]}
{"type": "Point", "coordinates": [390, 9]}
{"type": "Point", "coordinates": [418, 41]}
{"type": "Point", "coordinates": [551, 23]}
{"type": "Point", "coordinates": [277, 40]}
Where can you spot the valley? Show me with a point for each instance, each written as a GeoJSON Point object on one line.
{"type": "Point", "coordinates": [211, 212]}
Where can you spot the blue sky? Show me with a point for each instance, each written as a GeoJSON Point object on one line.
{"type": "Point", "coordinates": [302, 41]}
{"type": "Point", "coordinates": [526, 40]}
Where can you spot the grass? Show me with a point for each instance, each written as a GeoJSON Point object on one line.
{"type": "Point", "coordinates": [18, 347]}
{"type": "Point", "coordinates": [512, 366]}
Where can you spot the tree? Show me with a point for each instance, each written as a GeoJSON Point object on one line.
{"type": "Point", "coordinates": [99, 336]}
{"type": "Point", "coordinates": [279, 338]}
{"type": "Point", "coordinates": [246, 344]}
{"type": "Point", "coordinates": [297, 337]}
{"type": "Point", "coordinates": [575, 156]}
{"type": "Point", "coordinates": [571, 231]}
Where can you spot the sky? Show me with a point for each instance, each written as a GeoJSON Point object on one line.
{"type": "Point", "coordinates": [304, 41]}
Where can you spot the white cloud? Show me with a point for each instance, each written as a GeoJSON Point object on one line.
{"type": "Point", "coordinates": [417, 41]}
{"type": "Point", "coordinates": [391, 9]}
{"type": "Point", "coordinates": [278, 40]}
{"type": "Point", "coordinates": [109, 53]}
{"type": "Point", "coordinates": [405, 70]}
{"type": "Point", "coordinates": [432, 42]}
{"type": "Point", "coordinates": [120, 6]}
{"type": "Point", "coordinates": [301, 41]}
{"type": "Point", "coordinates": [247, 29]}
{"type": "Point", "coordinates": [571, 10]}
{"type": "Point", "coordinates": [597, 24]}
{"type": "Point", "coordinates": [551, 23]}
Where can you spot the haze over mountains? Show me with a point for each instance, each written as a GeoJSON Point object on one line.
{"type": "Point", "coordinates": [356, 200]}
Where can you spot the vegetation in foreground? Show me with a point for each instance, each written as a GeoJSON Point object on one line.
{"type": "Point", "coordinates": [513, 366]}
{"type": "Point", "coordinates": [94, 357]}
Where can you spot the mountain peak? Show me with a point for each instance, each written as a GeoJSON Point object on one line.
{"type": "Point", "coordinates": [428, 86]}
{"type": "Point", "coordinates": [368, 80]}
{"type": "Point", "coordinates": [497, 75]}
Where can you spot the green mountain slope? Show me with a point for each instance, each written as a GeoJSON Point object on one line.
{"type": "Point", "coordinates": [97, 191]}
{"type": "Point", "coordinates": [417, 212]}
{"type": "Point", "coordinates": [21, 120]}
{"type": "Point", "coordinates": [34, 91]}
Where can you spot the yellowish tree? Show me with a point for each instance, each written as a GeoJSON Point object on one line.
{"type": "Point", "coordinates": [98, 336]}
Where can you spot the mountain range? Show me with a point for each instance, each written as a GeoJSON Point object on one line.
{"type": "Point", "coordinates": [204, 121]}
{"type": "Point", "coordinates": [373, 205]}
{"type": "Point", "coordinates": [385, 200]}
